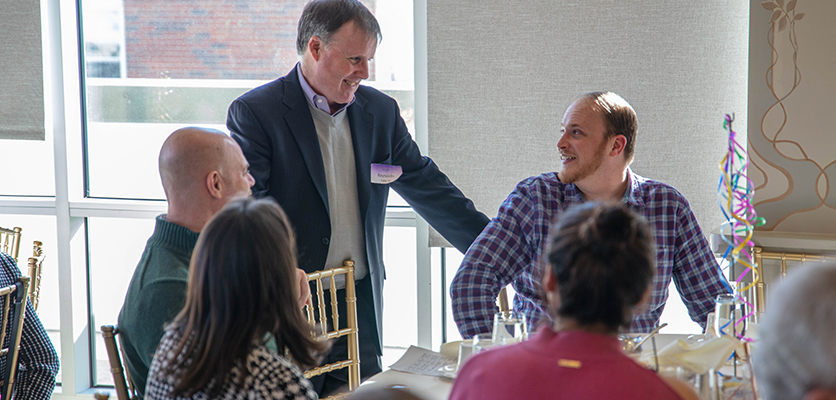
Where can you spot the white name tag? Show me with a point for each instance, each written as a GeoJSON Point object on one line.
{"type": "Point", "coordinates": [384, 174]}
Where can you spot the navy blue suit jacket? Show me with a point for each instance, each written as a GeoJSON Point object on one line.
{"type": "Point", "coordinates": [275, 129]}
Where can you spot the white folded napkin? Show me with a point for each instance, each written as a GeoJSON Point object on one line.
{"type": "Point", "coordinates": [698, 357]}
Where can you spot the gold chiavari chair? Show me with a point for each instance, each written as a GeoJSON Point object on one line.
{"type": "Point", "coordinates": [121, 376]}
{"type": "Point", "coordinates": [503, 300]}
{"type": "Point", "coordinates": [351, 331]}
{"type": "Point", "coordinates": [10, 241]}
{"type": "Point", "coordinates": [758, 255]}
{"type": "Point", "coordinates": [36, 263]}
{"type": "Point", "coordinates": [13, 298]}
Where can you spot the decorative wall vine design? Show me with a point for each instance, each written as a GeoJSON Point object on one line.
{"type": "Point", "coordinates": [783, 22]}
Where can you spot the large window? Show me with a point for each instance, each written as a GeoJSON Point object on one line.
{"type": "Point", "coordinates": [153, 66]}
{"type": "Point", "coordinates": [120, 76]}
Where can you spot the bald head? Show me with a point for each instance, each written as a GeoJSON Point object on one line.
{"type": "Point", "coordinates": [201, 170]}
{"type": "Point", "coordinates": [188, 156]}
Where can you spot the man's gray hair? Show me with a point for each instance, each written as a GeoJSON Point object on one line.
{"type": "Point", "coordinates": [797, 350]}
{"type": "Point", "coordinates": [321, 18]}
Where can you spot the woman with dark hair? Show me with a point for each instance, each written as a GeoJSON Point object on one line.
{"type": "Point", "coordinates": [243, 288]}
{"type": "Point", "coordinates": [599, 270]}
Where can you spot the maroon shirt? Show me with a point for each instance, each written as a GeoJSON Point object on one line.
{"type": "Point", "coordinates": [567, 365]}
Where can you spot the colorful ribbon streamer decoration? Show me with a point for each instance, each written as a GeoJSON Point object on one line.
{"type": "Point", "coordinates": [734, 195]}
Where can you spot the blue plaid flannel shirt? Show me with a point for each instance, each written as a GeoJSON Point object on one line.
{"type": "Point", "coordinates": [509, 250]}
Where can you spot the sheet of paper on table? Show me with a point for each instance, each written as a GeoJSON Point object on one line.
{"type": "Point", "coordinates": [421, 361]}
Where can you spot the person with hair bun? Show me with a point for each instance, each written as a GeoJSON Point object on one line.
{"type": "Point", "coordinates": [243, 288]}
{"type": "Point", "coordinates": [600, 266]}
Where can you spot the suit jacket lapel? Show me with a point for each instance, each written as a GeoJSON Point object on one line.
{"type": "Point", "coordinates": [301, 125]}
{"type": "Point", "coordinates": [362, 128]}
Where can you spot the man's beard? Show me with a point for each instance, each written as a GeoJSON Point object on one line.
{"type": "Point", "coordinates": [584, 171]}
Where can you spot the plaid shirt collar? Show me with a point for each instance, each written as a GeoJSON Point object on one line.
{"type": "Point", "coordinates": [632, 196]}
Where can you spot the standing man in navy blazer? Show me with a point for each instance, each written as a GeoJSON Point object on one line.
{"type": "Point", "coordinates": [328, 150]}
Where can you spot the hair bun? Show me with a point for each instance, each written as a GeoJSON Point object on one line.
{"type": "Point", "coordinates": [615, 223]}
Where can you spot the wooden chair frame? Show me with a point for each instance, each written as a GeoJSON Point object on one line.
{"type": "Point", "coordinates": [10, 241]}
{"type": "Point", "coordinates": [351, 331]}
{"type": "Point", "coordinates": [758, 255]}
{"type": "Point", "coordinates": [121, 376]}
{"type": "Point", "coordinates": [35, 267]}
{"type": "Point", "coordinates": [503, 300]}
{"type": "Point", "coordinates": [17, 310]}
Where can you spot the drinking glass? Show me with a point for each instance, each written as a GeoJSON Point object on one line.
{"type": "Point", "coordinates": [728, 316]}
{"type": "Point", "coordinates": [710, 327]}
{"type": "Point", "coordinates": [509, 327]}
{"type": "Point", "coordinates": [482, 342]}
{"type": "Point", "coordinates": [465, 351]}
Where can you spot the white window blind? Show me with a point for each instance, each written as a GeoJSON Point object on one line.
{"type": "Point", "coordinates": [21, 71]}
{"type": "Point", "coordinates": [501, 75]}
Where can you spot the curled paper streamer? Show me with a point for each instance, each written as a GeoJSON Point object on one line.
{"type": "Point", "coordinates": [734, 195]}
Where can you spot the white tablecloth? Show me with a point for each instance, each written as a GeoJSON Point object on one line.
{"type": "Point", "coordinates": [425, 387]}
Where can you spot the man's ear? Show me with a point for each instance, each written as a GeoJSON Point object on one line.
{"type": "Point", "coordinates": [315, 45]}
{"type": "Point", "coordinates": [214, 184]}
{"type": "Point", "coordinates": [549, 281]}
{"type": "Point", "coordinates": [618, 145]}
{"type": "Point", "coordinates": [550, 288]}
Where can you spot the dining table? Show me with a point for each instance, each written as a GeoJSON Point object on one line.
{"type": "Point", "coordinates": [423, 386]}
{"type": "Point", "coordinates": [438, 388]}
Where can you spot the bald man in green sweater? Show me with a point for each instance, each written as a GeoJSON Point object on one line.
{"type": "Point", "coordinates": [201, 171]}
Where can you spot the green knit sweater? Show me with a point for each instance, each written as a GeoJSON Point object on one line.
{"type": "Point", "coordinates": [156, 294]}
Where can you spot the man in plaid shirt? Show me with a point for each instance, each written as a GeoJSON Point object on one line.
{"type": "Point", "coordinates": [37, 360]}
{"type": "Point", "coordinates": [596, 146]}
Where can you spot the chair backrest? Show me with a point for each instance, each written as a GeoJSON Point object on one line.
{"type": "Point", "coordinates": [13, 299]}
{"type": "Point", "coordinates": [502, 300]}
{"type": "Point", "coordinates": [36, 263]}
{"type": "Point", "coordinates": [10, 241]}
{"type": "Point", "coordinates": [121, 376]}
{"type": "Point", "coordinates": [350, 331]}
